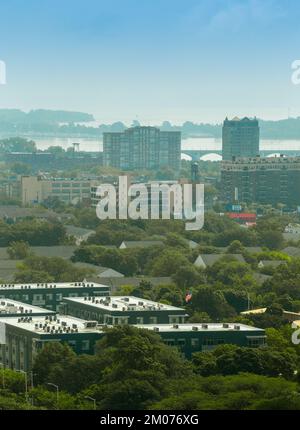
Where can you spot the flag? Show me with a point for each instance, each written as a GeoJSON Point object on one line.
{"type": "Point", "coordinates": [188, 297]}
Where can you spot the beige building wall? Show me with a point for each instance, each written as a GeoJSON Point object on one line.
{"type": "Point", "coordinates": [34, 189]}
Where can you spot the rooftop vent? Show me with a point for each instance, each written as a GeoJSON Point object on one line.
{"type": "Point", "coordinates": [90, 324]}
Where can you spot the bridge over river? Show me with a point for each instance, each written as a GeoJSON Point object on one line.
{"type": "Point", "coordinates": [197, 154]}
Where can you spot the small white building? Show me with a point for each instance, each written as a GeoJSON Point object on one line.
{"type": "Point", "coordinates": [293, 228]}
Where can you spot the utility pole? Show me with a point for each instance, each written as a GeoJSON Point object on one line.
{"type": "Point", "coordinates": [26, 383]}
{"type": "Point", "coordinates": [3, 375]}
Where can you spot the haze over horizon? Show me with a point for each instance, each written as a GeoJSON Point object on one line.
{"type": "Point", "coordinates": [152, 61]}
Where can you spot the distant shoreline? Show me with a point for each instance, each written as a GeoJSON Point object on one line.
{"type": "Point", "coordinates": [99, 136]}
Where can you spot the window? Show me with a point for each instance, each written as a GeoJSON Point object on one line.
{"type": "Point", "coordinates": [107, 319]}
{"type": "Point", "coordinates": [212, 342]}
{"type": "Point", "coordinates": [195, 343]}
{"type": "Point", "coordinates": [256, 341]}
{"type": "Point", "coordinates": [120, 320]}
{"type": "Point", "coordinates": [72, 343]}
{"type": "Point", "coordinates": [181, 342]}
{"type": "Point", "coordinates": [174, 320]}
{"type": "Point", "coordinates": [170, 342]}
{"type": "Point", "coordinates": [85, 345]}
{"type": "Point", "coordinates": [58, 297]}
{"type": "Point", "coordinates": [139, 320]}
{"type": "Point", "coordinates": [152, 320]}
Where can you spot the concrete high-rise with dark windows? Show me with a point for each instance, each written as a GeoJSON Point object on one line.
{"type": "Point", "coordinates": [240, 138]}
{"type": "Point", "coordinates": [139, 148]}
{"type": "Point", "coordinates": [262, 180]}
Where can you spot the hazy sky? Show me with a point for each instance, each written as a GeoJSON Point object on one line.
{"type": "Point", "coordinates": [153, 60]}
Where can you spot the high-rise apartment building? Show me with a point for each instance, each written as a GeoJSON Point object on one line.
{"type": "Point", "coordinates": [140, 148]}
{"type": "Point", "coordinates": [240, 138]}
{"type": "Point", "coordinates": [263, 180]}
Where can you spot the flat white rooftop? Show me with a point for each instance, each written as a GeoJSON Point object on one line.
{"type": "Point", "coordinates": [199, 327]}
{"type": "Point", "coordinates": [123, 303]}
{"type": "Point", "coordinates": [8, 307]}
{"type": "Point", "coordinates": [50, 285]}
{"type": "Point", "coordinates": [52, 324]}
{"type": "Point", "coordinates": [65, 324]}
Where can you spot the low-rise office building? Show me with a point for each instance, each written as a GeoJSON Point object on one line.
{"type": "Point", "coordinates": [22, 338]}
{"type": "Point", "coordinates": [190, 338]}
{"type": "Point", "coordinates": [50, 295]}
{"type": "Point", "coordinates": [118, 310]}
{"type": "Point", "coordinates": [36, 189]}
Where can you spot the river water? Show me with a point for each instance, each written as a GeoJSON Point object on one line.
{"type": "Point", "coordinates": [93, 144]}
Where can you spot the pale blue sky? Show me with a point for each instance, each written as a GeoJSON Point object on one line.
{"type": "Point", "coordinates": [156, 60]}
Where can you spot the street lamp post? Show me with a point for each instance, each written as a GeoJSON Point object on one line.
{"type": "Point", "coordinates": [57, 391]}
{"type": "Point", "coordinates": [31, 378]}
{"type": "Point", "coordinates": [92, 399]}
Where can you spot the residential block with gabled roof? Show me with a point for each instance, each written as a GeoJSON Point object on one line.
{"type": "Point", "coordinates": [140, 243]}
{"type": "Point", "coordinates": [100, 271]}
{"type": "Point", "coordinates": [207, 260]}
{"type": "Point", "coordinates": [270, 263]}
{"type": "Point", "coordinates": [62, 251]}
{"type": "Point", "coordinates": [80, 234]}
{"type": "Point", "coordinates": [291, 251]}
